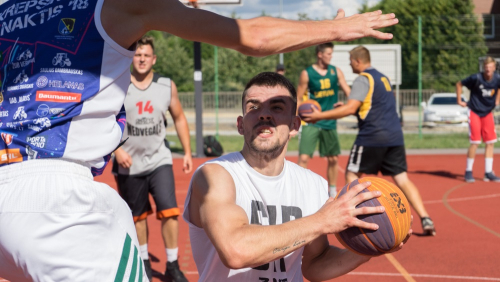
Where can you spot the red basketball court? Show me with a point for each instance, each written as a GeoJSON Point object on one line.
{"type": "Point", "coordinates": [466, 247]}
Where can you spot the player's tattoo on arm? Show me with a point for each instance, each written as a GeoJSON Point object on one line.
{"type": "Point", "coordinates": [296, 243]}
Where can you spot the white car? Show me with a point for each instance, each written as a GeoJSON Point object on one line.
{"type": "Point", "coordinates": [442, 108]}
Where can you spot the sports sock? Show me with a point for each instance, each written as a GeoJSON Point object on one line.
{"type": "Point", "coordinates": [332, 191]}
{"type": "Point", "coordinates": [172, 254]}
{"type": "Point", "coordinates": [144, 251]}
{"type": "Point", "coordinates": [488, 165]}
{"type": "Point", "coordinates": [470, 163]}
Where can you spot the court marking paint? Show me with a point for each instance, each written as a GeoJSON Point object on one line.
{"type": "Point", "coordinates": [399, 267]}
{"type": "Point", "coordinates": [448, 206]}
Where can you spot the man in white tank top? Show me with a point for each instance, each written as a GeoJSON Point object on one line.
{"type": "Point", "coordinates": [254, 216]}
{"type": "Point", "coordinates": [64, 74]}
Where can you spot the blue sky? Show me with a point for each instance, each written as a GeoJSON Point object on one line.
{"type": "Point", "coordinates": [316, 9]}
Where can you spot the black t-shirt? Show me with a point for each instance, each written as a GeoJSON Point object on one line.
{"type": "Point", "coordinates": [482, 93]}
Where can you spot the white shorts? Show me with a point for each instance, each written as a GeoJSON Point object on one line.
{"type": "Point", "coordinates": [58, 224]}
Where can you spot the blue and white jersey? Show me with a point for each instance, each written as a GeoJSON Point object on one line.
{"type": "Point", "coordinates": [483, 93]}
{"type": "Point", "coordinates": [62, 80]}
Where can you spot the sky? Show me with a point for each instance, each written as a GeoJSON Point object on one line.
{"type": "Point", "coordinates": [315, 9]}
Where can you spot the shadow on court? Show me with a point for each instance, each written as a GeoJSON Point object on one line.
{"type": "Point", "coordinates": [440, 173]}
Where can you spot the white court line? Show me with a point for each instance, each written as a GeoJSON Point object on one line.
{"type": "Point", "coordinates": [450, 200]}
{"type": "Point", "coordinates": [463, 199]}
{"type": "Point", "coordinates": [426, 276]}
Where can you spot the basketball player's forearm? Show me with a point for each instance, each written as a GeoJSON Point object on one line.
{"type": "Point", "coordinates": [264, 35]}
{"type": "Point", "coordinates": [182, 128]}
{"type": "Point", "coordinates": [336, 113]}
{"type": "Point", "coordinates": [256, 245]}
{"type": "Point", "coordinates": [458, 90]}
{"type": "Point", "coordinates": [333, 263]}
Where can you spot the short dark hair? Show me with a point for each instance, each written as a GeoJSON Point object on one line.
{"type": "Point", "coordinates": [146, 40]}
{"type": "Point", "coordinates": [321, 47]}
{"type": "Point", "coordinates": [271, 79]}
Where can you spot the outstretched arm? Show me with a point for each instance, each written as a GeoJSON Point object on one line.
{"type": "Point", "coordinates": [302, 87]}
{"type": "Point", "coordinates": [240, 244]}
{"type": "Point", "coordinates": [127, 20]}
{"type": "Point", "coordinates": [182, 128]}
{"type": "Point", "coordinates": [342, 111]}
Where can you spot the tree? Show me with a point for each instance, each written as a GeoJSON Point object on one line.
{"type": "Point", "coordinates": [452, 40]}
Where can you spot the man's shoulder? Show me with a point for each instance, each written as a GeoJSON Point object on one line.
{"type": "Point", "coordinates": [157, 78]}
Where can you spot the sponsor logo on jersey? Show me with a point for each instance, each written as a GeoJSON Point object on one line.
{"type": "Point", "coordinates": [66, 26]}
{"type": "Point", "coordinates": [58, 97]}
{"type": "Point", "coordinates": [20, 78]}
{"type": "Point", "coordinates": [146, 131]}
{"type": "Point", "coordinates": [24, 98]}
{"type": "Point", "coordinates": [23, 59]}
{"type": "Point", "coordinates": [39, 124]}
{"type": "Point", "coordinates": [56, 111]}
{"type": "Point", "coordinates": [31, 153]}
{"type": "Point", "coordinates": [1, 95]}
{"type": "Point", "coordinates": [8, 156]}
{"type": "Point", "coordinates": [62, 60]}
{"type": "Point", "coordinates": [42, 110]}
{"type": "Point", "coordinates": [20, 87]}
{"type": "Point", "coordinates": [61, 70]}
{"type": "Point", "coordinates": [4, 113]}
{"type": "Point", "coordinates": [37, 141]}
{"type": "Point", "coordinates": [38, 15]}
{"type": "Point", "coordinates": [7, 138]}
{"type": "Point", "coordinates": [20, 114]}
{"type": "Point", "coordinates": [43, 81]}
{"type": "Point", "coordinates": [144, 121]}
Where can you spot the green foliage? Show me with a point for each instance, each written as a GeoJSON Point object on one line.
{"type": "Point", "coordinates": [452, 40]}
{"type": "Point", "coordinates": [234, 143]}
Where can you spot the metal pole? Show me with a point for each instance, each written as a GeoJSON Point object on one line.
{"type": "Point", "coordinates": [216, 78]}
{"type": "Point", "coordinates": [420, 77]}
{"type": "Point", "coordinates": [198, 99]}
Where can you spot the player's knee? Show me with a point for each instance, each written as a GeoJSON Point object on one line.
{"type": "Point", "coordinates": [332, 160]}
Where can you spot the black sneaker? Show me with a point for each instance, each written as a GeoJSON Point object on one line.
{"type": "Point", "coordinates": [173, 273]}
{"type": "Point", "coordinates": [468, 177]}
{"type": "Point", "coordinates": [490, 176]}
{"type": "Point", "coordinates": [428, 226]}
{"type": "Point", "coordinates": [147, 269]}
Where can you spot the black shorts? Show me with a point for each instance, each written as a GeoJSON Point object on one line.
{"type": "Point", "coordinates": [370, 160]}
{"type": "Point", "coordinates": [160, 184]}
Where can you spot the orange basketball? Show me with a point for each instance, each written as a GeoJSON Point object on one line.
{"type": "Point", "coordinates": [306, 107]}
{"type": "Point", "coordinates": [394, 223]}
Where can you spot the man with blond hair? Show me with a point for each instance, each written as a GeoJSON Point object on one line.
{"type": "Point", "coordinates": [484, 97]}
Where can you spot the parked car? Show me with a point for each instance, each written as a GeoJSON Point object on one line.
{"type": "Point", "coordinates": [442, 108]}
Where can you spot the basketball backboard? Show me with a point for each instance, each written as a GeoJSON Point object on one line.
{"type": "Point", "coordinates": [213, 2]}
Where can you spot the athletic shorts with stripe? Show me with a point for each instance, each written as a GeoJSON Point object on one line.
{"type": "Point", "coordinates": [481, 127]}
{"type": "Point", "coordinates": [58, 224]}
{"type": "Point", "coordinates": [160, 184]}
{"type": "Point", "coordinates": [370, 160]}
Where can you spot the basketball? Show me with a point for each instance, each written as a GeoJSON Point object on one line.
{"type": "Point", "coordinates": [306, 107]}
{"type": "Point", "coordinates": [394, 223]}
